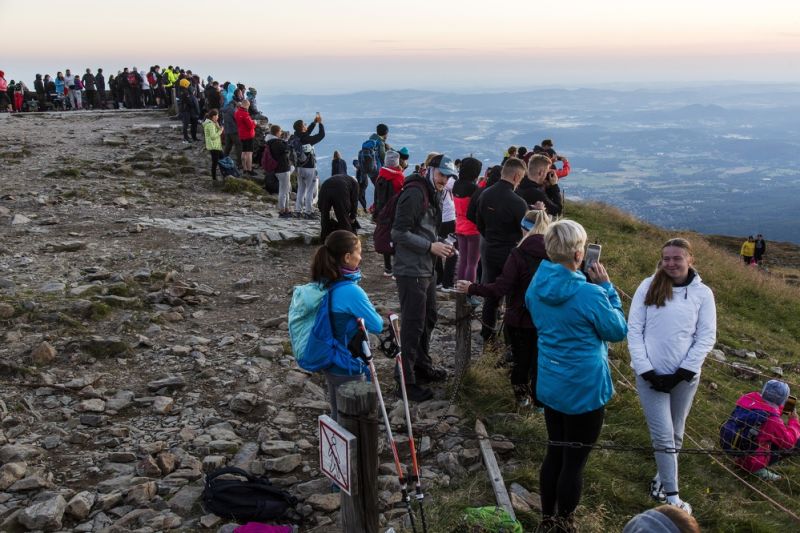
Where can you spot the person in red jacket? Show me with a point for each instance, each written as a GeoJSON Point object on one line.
{"type": "Point", "coordinates": [466, 231]}
{"type": "Point", "coordinates": [391, 172]}
{"type": "Point", "coordinates": [246, 127]}
{"type": "Point", "coordinates": [512, 283]}
{"type": "Point", "coordinates": [775, 439]}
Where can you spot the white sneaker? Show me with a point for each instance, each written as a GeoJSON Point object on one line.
{"type": "Point", "coordinates": [387, 274]}
{"type": "Point", "coordinates": [680, 504]}
{"type": "Point", "coordinates": [657, 490]}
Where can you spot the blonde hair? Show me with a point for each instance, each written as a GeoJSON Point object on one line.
{"type": "Point", "coordinates": [537, 163]}
{"type": "Point", "coordinates": [541, 221]}
{"type": "Point", "coordinates": [430, 156]}
{"type": "Point", "coordinates": [660, 290]}
{"type": "Point", "coordinates": [512, 167]}
{"type": "Point", "coordinates": [562, 239]}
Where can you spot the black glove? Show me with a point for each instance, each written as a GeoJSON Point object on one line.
{"type": "Point", "coordinates": [657, 382]}
{"type": "Point", "coordinates": [685, 375]}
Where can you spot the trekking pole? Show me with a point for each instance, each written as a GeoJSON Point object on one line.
{"type": "Point", "coordinates": [389, 435]}
{"type": "Point", "coordinates": [394, 323]}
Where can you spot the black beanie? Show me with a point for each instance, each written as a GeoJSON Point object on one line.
{"type": "Point", "coordinates": [470, 169]}
{"type": "Point", "coordinates": [382, 129]}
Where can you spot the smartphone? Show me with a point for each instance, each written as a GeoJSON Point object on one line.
{"type": "Point", "coordinates": [592, 256]}
{"type": "Point", "coordinates": [788, 407]}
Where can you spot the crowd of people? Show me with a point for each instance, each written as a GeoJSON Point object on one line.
{"type": "Point", "coordinates": [494, 235]}
{"type": "Point", "coordinates": [753, 250]}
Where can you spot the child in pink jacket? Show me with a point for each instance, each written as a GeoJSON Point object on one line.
{"type": "Point", "coordinates": [775, 435]}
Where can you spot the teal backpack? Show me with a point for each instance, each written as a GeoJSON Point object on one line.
{"type": "Point", "coordinates": [311, 330]}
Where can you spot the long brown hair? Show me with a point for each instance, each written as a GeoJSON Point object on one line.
{"type": "Point", "coordinates": [329, 256]}
{"type": "Point", "coordinates": [660, 290]}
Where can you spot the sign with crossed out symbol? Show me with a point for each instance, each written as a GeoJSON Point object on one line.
{"type": "Point", "coordinates": [336, 445]}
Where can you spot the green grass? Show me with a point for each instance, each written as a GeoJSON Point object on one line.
{"type": "Point", "coordinates": [754, 312]}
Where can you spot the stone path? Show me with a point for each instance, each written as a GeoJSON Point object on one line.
{"type": "Point", "coordinates": [248, 228]}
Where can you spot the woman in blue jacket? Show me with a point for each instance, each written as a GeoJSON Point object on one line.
{"type": "Point", "coordinates": [336, 265]}
{"type": "Point", "coordinates": [574, 319]}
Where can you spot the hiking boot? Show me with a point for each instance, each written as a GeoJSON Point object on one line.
{"type": "Point", "coordinates": [430, 375]}
{"type": "Point", "coordinates": [284, 214]}
{"type": "Point", "coordinates": [657, 490]}
{"type": "Point", "coordinates": [311, 216]}
{"type": "Point", "coordinates": [767, 475]}
{"type": "Point", "coordinates": [415, 393]}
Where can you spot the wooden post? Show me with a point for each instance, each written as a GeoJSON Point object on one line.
{"type": "Point", "coordinates": [500, 492]}
{"type": "Point", "coordinates": [173, 106]}
{"type": "Point", "coordinates": [357, 403]}
{"type": "Point", "coordinates": [463, 333]}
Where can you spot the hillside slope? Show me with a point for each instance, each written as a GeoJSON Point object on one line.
{"type": "Point", "coordinates": [757, 313]}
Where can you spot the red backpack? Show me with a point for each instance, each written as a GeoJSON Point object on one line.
{"type": "Point", "coordinates": [382, 237]}
{"type": "Point", "coordinates": [133, 80]}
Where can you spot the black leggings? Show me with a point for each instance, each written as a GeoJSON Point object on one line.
{"type": "Point", "coordinates": [216, 155]}
{"type": "Point", "coordinates": [524, 348]}
{"type": "Point", "coordinates": [561, 476]}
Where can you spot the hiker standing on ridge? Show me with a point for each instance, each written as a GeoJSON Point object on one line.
{"type": "Point", "coordinates": [541, 185]}
{"type": "Point", "coordinates": [212, 132]}
{"type": "Point", "coordinates": [390, 182]}
{"type": "Point", "coordinates": [760, 249]}
{"type": "Point", "coordinates": [575, 319]}
{"type": "Point", "coordinates": [279, 151]}
{"type": "Point", "coordinates": [246, 127]}
{"type": "Point", "coordinates": [517, 273]}
{"type": "Point", "coordinates": [418, 215]}
{"type": "Point", "coordinates": [672, 325]}
{"type": "Point", "coordinates": [302, 148]}
{"type": "Point", "coordinates": [498, 213]}
{"type": "Point", "coordinates": [337, 265]}
{"type": "Point", "coordinates": [89, 85]}
{"type": "Point", "coordinates": [466, 231]}
{"type": "Point", "coordinates": [380, 136]}
{"type": "Point", "coordinates": [231, 136]}
{"type": "Point", "coordinates": [748, 250]}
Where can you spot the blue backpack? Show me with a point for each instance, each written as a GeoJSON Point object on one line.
{"type": "Point", "coordinates": [740, 432]}
{"type": "Point", "coordinates": [311, 330]}
{"type": "Point", "coordinates": [369, 161]}
{"type": "Point", "coordinates": [228, 167]}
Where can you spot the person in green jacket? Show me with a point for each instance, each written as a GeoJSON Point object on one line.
{"type": "Point", "coordinates": [212, 131]}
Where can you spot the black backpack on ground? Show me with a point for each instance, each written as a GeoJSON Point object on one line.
{"type": "Point", "coordinates": [251, 500]}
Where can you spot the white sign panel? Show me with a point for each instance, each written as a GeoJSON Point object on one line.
{"type": "Point", "coordinates": [336, 445]}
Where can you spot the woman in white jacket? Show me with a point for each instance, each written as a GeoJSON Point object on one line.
{"type": "Point", "coordinates": [672, 326]}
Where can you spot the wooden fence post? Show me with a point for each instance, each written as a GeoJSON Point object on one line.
{"type": "Point", "coordinates": [463, 332]}
{"type": "Point", "coordinates": [357, 403]}
{"type": "Point", "coordinates": [173, 106]}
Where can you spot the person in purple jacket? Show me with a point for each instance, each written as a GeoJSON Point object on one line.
{"type": "Point", "coordinates": [518, 271]}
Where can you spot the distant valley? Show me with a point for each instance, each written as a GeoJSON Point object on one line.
{"type": "Point", "coordinates": [719, 159]}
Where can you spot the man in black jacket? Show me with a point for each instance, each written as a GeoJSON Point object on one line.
{"type": "Point", "coordinates": [90, 86]}
{"type": "Point", "coordinates": [279, 151]}
{"type": "Point", "coordinates": [541, 185]}
{"type": "Point", "coordinates": [38, 86]}
{"type": "Point", "coordinates": [339, 193]}
{"type": "Point", "coordinates": [499, 212]}
{"type": "Point", "coordinates": [417, 245]}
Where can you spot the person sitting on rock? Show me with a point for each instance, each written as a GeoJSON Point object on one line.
{"type": "Point", "coordinates": [776, 439]}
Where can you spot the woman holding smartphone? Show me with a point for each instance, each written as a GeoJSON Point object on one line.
{"type": "Point", "coordinates": [672, 325]}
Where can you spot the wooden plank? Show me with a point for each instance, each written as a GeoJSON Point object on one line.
{"type": "Point", "coordinates": [489, 459]}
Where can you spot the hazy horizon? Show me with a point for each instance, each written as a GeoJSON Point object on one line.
{"type": "Point", "coordinates": [340, 47]}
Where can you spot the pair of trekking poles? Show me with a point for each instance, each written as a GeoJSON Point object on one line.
{"type": "Point", "coordinates": [391, 346]}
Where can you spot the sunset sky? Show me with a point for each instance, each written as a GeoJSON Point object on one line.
{"type": "Point", "coordinates": [317, 46]}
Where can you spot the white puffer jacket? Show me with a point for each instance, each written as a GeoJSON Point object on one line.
{"type": "Point", "coordinates": [677, 335]}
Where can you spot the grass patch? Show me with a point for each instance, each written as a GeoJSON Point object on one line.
{"type": "Point", "coordinates": [755, 311]}
{"type": "Point", "coordinates": [242, 186]}
{"type": "Point", "coordinates": [99, 311]}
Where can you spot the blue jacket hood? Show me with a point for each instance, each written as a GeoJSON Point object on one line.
{"type": "Point", "coordinates": [556, 284]}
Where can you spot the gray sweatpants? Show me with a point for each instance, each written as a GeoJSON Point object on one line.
{"type": "Point", "coordinates": [284, 189]}
{"type": "Point", "coordinates": [334, 381]}
{"type": "Point", "coordinates": [666, 418]}
{"type": "Point", "coordinates": [306, 187]}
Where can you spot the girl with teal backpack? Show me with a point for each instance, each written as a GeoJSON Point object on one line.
{"type": "Point", "coordinates": [323, 313]}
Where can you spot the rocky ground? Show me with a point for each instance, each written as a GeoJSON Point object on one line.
{"type": "Point", "coordinates": [143, 318]}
